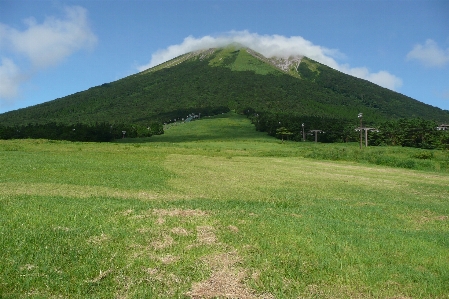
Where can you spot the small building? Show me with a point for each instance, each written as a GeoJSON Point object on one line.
{"type": "Point", "coordinates": [443, 127]}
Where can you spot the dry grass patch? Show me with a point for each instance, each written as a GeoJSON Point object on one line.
{"type": "Point", "coordinates": [160, 220]}
{"type": "Point", "coordinates": [165, 242]}
{"type": "Point", "coordinates": [180, 231]}
{"type": "Point", "coordinates": [161, 213]}
{"type": "Point", "coordinates": [127, 212]}
{"type": "Point", "coordinates": [226, 280]}
{"type": "Point", "coordinates": [425, 219]}
{"type": "Point", "coordinates": [147, 277]}
{"type": "Point", "coordinates": [76, 191]}
{"type": "Point", "coordinates": [27, 267]}
{"type": "Point", "coordinates": [179, 213]}
{"type": "Point", "coordinates": [168, 259]}
{"type": "Point", "coordinates": [206, 235]}
{"type": "Point", "coordinates": [233, 228]}
{"type": "Point", "coordinates": [61, 228]}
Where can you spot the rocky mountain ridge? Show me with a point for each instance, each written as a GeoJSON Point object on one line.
{"type": "Point", "coordinates": [288, 65]}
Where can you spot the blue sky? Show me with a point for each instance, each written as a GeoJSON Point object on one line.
{"type": "Point", "coordinates": [50, 49]}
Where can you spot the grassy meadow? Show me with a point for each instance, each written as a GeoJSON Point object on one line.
{"type": "Point", "coordinates": [214, 209]}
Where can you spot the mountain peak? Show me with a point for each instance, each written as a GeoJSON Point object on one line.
{"type": "Point", "coordinates": [232, 77]}
{"type": "Point", "coordinates": [239, 58]}
{"type": "Point", "coordinates": [282, 63]}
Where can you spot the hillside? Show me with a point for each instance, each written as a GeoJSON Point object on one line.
{"type": "Point", "coordinates": [216, 80]}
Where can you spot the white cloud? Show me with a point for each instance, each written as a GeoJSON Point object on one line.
{"type": "Point", "coordinates": [381, 78]}
{"type": "Point", "coordinates": [43, 45]}
{"type": "Point", "coordinates": [267, 45]}
{"type": "Point", "coordinates": [10, 79]}
{"type": "Point", "coordinates": [273, 45]}
{"type": "Point", "coordinates": [429, 54]}
{"type": "Point", "coordinates": [385, 79]}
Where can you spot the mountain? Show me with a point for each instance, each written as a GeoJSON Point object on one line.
{"type": "Point", "coordinates": [215, 80]}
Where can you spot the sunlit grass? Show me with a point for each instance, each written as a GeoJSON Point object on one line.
{"type": "Point", "coordinates": [158, 217]}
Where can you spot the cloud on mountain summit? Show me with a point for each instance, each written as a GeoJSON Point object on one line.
{"type": "Point", "coordinates": [274, 45]}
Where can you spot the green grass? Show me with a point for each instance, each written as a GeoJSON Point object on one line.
{"type": "Point", "coordinates": [214, 203]}
{"type": "Point", "coordinates": [247, 62]}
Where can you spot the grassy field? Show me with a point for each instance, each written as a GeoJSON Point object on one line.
{"type": "Point", "coordinates": [213, 209]}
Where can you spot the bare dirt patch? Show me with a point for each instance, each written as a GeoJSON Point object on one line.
{"type": "Point", "coordinates": [226, 280]}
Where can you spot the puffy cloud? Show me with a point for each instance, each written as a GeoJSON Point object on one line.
{"type": "Point", "coordinates": [48, 43]}
{"type": "Point", "coordinates": [429, 54]}
{"type": "Point", "coordinates": [10, 79]}
{"type": "Point", "coordinates": [381, 78]}
{"type": "Point", "coordinates": [273, 45]}
{"type": "Point", "coordinates": [267, 45]}
{"type": "Point", "coordinates": [43, 45]}
{"type": "Point", "coordinates": [385, 79]}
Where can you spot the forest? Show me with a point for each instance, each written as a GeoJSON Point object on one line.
{"type": "Point", "coordinates": [410, 132]}
{"type": "Point", "coordinates": [98, 132]}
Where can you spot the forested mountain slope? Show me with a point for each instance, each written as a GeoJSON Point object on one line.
{"type": "Point", "coordinates": [216, 80]}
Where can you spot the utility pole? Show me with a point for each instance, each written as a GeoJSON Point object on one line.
{"type": "Point", "coordinates": [316, 134]}
{"type": "Point", "coordinates": [366, 134]}
{"type": "Point", "coordinates": [303, 135]}
{"type": "Point", "coordinates": [360, 116]}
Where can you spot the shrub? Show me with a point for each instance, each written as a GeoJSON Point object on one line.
{"type": "Point", "coordinates": [423, 155]}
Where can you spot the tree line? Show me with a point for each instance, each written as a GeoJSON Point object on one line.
{"type": "Point", "coordinates": [98, 132]}
{"type": "Point", "coordinates": [102, 131]}
{"type": "Point", "coordinates": [408, 132]}
{"type": "Point", "coordinates": [415, 132]}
